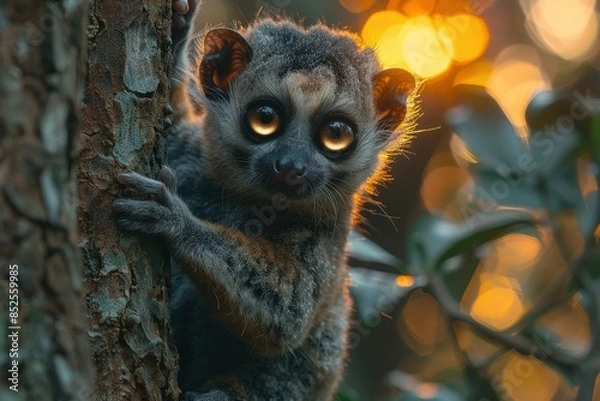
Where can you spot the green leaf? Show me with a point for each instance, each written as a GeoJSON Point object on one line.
{"type": "Point", "coordinates": [594, 263]}
{"type": "Point", "coordinates": [562, 190]}
{"type": "Point", "coordinates": [588, 217]}
{"type": "Point", "coordinates": [433, 240]}
{"type": "Point", "coordinates": [479, 388]}
{"type": "Point", "coordinates": [365, 250]}
{"type": "Point", "coordinates": [345, 393]}
{"type": "Point", "coordinates": [550, 150]}
{"type": "Point", "coordinates": [595, 134]}
{"type": "Point", "coordinates": [483, 126]}
{"type": "Point", "coordinates": [458, 279]}
{"type": "Point", "coordinates": [513, 189]}
{"type": "Point", "coordinates": [546, 107]}
{"type": "Point", "coordinates": [376, 293]}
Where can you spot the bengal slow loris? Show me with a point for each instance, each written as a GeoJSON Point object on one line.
{"type": "Point", "coordinates": [274, 145]}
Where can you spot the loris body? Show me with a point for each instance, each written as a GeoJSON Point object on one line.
{"type": "Point", "coordinates": [269, 175]}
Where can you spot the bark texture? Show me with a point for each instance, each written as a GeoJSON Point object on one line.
{"type": "Point", "coordinates": [126, 280]}
{"type": "Point", "coordinates": [42, 72]}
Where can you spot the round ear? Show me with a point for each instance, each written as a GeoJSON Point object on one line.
{"type": "Point", "coordinates": [391, 89]}
{"type": "Point", "coordinates": [226, 54]}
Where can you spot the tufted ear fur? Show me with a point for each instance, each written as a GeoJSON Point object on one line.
{"type": "Point", "coordinates": [391, 89]}
{"type": "Point", "coordinates": [226, 54]}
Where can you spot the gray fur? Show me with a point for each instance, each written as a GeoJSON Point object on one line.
{"type": "Point", "coordinates": [259, 305]}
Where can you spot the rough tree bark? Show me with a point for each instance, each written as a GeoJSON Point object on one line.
{"type": "Point", "coordinates": [43, 339]}
{"type": "Point", "coordinates": [125, 279]}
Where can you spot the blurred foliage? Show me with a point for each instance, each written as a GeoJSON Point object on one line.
{"type": "Point", "coordinates": [514, 268]}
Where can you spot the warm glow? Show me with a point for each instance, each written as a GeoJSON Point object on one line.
{"type": "Point", "coordinates": [422, 324]}
{"type": "Point", "coordinates": [427, 391]}
{"type": "Point", "coordinates": [388, 49]}
{"type": "Point", "coordinates": [425, 37]}
{"type": "Point", "coordinates": [570, 327]}
{"type": "Point", "coordinates": [376, 26]}
{"type": "Point", "coordinates": [478, 349]}
{"type": "Point", "coordinates": [462, 154]}
{"type": "Point", "coordinates": [477, 73]}
{"type": "Point", "coordinates": [569, 28]}
{"type": "Point", "coordinates": [428, 52]}
{"type": "Point", "coordinates": [496, 306]}
{"type": "Point", "coordinates": [469, 36]}
{"type": "Point", "coordinates": [440, 187]}
{"type": "Point", "coordinates": [517, 252]}
{"type": "Point", "coordinates": [525, 378]}
{"type": "Point", "coordinates": [357, 6]}
{"type": "Point", "coordinates": [515, 79]}
{"type": "Point", "coordinates": [413, 8]}
{"type": "Point", "coordinates": [405, 281]}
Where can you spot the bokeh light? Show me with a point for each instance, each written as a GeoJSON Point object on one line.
{"type": "Point", "coordinates": [569, 326]}
{"type": "Point", "coordinates": [417, 36]}
{"type": "Point", "coordinates": [524, 378]}
{"type": "Point", "coordinates": [469, 36]}
{"type": "Point", "coordinates": [427, 51]}
{"type": "Point", "coordinates": [405, 281]}
{"type": "Point", "coordinates": [422, 323]}
{"type": "Point", "coordinates": [413, 8]}
{"type": "Point", "coordinates": [357, 6]}
{"type": "Point", "coordinates": [516, 77]}
{"type": "Point", "coordinates": [478, 349]}
{"type": "Point", "coordinates": [477, 73]}
{"type": "Point", "coordinates": [498, 304]}
{"type": "Point", "coordinates": [377, 24]}
{"type": "Point", "coordinates": [516, 252]}
{"type": "Point", "coordinates": [568, 28]}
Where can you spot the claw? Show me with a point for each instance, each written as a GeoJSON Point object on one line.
{"type": "Point", "coordinates": [180, 6]}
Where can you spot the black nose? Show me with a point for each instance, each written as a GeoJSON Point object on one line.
{"type": "Point", "coordinates": [288, 172]}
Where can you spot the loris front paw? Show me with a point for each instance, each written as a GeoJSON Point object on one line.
{"type": "Point", "coordinates": [150, 206]}
{"type": "Point", "coordinates": [183, 17]}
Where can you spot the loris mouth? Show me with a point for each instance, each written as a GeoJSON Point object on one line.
{"type": "Point", "coordinates": [293, 180]}
{"type": "Point", "coordinates": [292, 184]}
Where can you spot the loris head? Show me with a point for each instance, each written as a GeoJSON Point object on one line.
{"type": "Point", "coordinates": [304, 112]}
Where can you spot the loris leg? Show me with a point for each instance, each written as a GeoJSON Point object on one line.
{"type": "Point", "coordinates": [310, 372]}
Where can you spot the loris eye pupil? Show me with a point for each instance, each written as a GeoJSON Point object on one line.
{"type": "Point", "coordinates": [336, 137]}
{"type": "Point", "coordinates": [263, 120]}
{"type": "Point", "coordinates": [266, 115]}
{"type": "Point", "coordinates": [335, 131]}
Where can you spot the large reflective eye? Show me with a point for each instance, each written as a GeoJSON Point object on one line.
{"type": "Point", "coordinates": [263, 119]}
{"type": "Point", "coordinates": [336, 136]}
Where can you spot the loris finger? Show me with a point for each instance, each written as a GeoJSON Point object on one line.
{"type": "Point", "coordinates": [145, 187]}
{"type": "Point", "coordinates": [180, 6]}
{"type": "Point", "coordinates": [141, 216]}
{"type": "Point", "coordinates": [167, 176]}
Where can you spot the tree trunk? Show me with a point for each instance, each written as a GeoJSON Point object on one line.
{"type": "Point", "coordinates": [43, 338]}
{"type": "Point", "coordinates": [126, 279]}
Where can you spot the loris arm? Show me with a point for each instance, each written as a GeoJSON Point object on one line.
{"type": "Point", "coordinates": [270, 293]}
